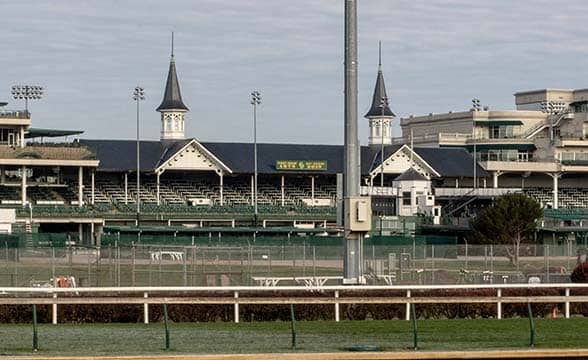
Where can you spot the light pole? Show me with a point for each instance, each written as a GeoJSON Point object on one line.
{"type": "Point", "coordinates": [476, 103]}
{"type": "Point", "coordinates": [255, 100]}
{"type": "Point", "coordinates": [138, 95]}
{"type": "Point", "coordinates": [383, 104]}
{"type": "Point", "coordinates": [27, 92]}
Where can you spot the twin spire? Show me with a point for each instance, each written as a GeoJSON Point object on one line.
{"type": "Point", "coordinates": [380, 101]}
{"type": "Point", "coordinates": [172, 98]}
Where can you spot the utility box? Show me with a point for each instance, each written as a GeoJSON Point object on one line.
{"type": "Point", "coordinates": [358, 210]}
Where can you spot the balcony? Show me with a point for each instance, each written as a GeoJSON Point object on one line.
{"type": "Point", "coordinates": [14, 114]}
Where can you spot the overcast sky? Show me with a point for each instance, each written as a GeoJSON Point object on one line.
{"type": "Point", "coordinates": [437, 56]}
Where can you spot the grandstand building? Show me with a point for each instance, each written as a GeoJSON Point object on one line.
{"type": "Point", "coordinates": [187, 184]}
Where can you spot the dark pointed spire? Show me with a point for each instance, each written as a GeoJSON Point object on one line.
{"type": "Point", "coordinates": [172, 98]}
{"type": "Point", "coordinates": [380, 93]}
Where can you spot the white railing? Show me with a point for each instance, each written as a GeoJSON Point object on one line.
{"type": "Point", "coordinates": [325, 295]}
{"type": "Point", "coordinates": [486, 192]}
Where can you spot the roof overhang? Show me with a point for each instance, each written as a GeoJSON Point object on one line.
{"type": "Point", "coordinates": [31, 133]}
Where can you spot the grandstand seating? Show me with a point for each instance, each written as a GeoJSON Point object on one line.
{"type": "Point", "coordinates": [567, 197]}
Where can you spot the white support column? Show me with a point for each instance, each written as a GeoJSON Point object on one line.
{"type": "Point", "coordinates": [555, 177]}
{"type": "Point", "coordinates": [23, 185]}
{"type": "Point", "coordinates": [80, 185]}
{"type": "Point", "coordinates": [126, 188]}
{"type": "Point", "coordinates": [221, 186]}
{"type": "Point", "coordinates": [157, 185]}
{"type": "Point", "coordinates": [93, 186]}
{"type": "Point", "coordinates": [252, 190]}
{"type": "Point", "coordinates": [312, 189]}
{"type": "Point", "coordinates": [22, 138]}
{"type": "Point", "coordinates": [495, 175]}
{"type": "Point", "coordinates": [92, 237]}
{"type": "Point", "coordinates": [283, 192]}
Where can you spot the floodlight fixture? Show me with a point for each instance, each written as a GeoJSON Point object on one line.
{"type": "Point", "coordinates": [26, 93]}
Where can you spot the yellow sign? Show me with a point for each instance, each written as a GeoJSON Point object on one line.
{"type": "Point", "coordinates": [301, 165]}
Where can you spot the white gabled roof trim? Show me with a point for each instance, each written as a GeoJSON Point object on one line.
{"type": "Point", "coordinates": [222, 166]}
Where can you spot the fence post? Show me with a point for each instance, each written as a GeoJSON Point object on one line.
{"type": "Point", "coordinates": [414, 328]}
{"type": "Point", "coordinates": [35, 335]}
{"type": "Point", "coordinates": [567, 305]}
{"type": "Point", "coordinates": [293, 322]}
{"type": "Point", "coordinates": [165, 326]}
{"type": "Point", "coordinates": [145, 310]}
{"type": "Point", "coordinates": [236, 307]}
{"type": "Point", "coordinates": [54, 311]}
{"type": "Point", "coordinates": [133, 278]}
{"type": "Point", "coordinates": [407, 305]}
{"type": "Point", "coordinates": [336, 306]}
{"type": "Point", "coordinates": [531, 327]}
{"type": "Point", "coordinates": [499, 305]}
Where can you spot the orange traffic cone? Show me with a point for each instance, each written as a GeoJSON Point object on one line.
{"type": "Point", "coordinates": [554, 312]}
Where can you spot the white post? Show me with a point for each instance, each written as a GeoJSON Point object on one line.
{"type": "Point", "coordinates": [312, 189]}
{"type": "Point", "coordinates": [221, 185]}
{"type": "Point", "coordinates": [22, 137]}
{"type": "Point", "coordinates": [567, 305]}
{"type": "Point", "coordinates": [236, 307]}
{"type": "Point", "coordinates": [157, 186]}
{"type": "Point", "coordinates": [23, 185]}
{"type": "Point", "coordinates": [283, 192]}
{"type": "Point", "coordinates": [93, 187]}
{"type": "Point", "coordinates": [407, 305]}
{"type": "Point", "coordinates": [252, 190]}
{"type": "Point", "coordinates": [555, 190]}
{"type": "Point", "coordinates": [499, 305]}
{"type": "Point", "coordinates": [145, 310]}
{"type": "Point", "coordinates": [80, 185]}
{"type": "Point", "coordinates": [495, 179]}
{"type": "Point", "coordinates": [54, 311]}
{"type": "Point", "coordinates": [337, 306]}
{"type": "Point", "coordinates": [126, 188]}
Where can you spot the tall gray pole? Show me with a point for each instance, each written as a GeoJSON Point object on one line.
{"type": "Point", "coordinates": [138, 95]}
{"type": "Point", "coordinates": [353, 240]}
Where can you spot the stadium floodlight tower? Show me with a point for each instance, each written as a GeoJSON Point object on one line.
{"type": "Point", "coordinates": [138, 95]}
{"type": "Point", "coordinates": [27, 92]}
{"type": "Point", "coordinates": [255, 100]}
{"type": "Point", "coordinates": [357, 210]}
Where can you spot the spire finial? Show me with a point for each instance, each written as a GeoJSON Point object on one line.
{"type": "Point", "coordinates": [380, 55]}
{"type": "Point", "coordinates": [172, 46]}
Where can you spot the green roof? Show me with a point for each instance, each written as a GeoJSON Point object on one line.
{"type": "Point", "coordinates": [35, 133]}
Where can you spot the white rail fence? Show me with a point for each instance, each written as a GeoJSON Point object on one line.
{"type": "Point", "coordinates": [330, 295]}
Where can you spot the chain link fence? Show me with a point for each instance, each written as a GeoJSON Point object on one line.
{"type": "Point", "coordinates": [226, 263]}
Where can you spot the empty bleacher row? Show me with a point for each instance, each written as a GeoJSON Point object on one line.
{"type": "Point", "coordinates": [194, 191]}
{"type": "Point", "coordinates": [567, 197]}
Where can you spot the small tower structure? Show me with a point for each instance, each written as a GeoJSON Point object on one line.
{"type": "Point", "coordinates": [172, 107]}
{"type": "Point", "coordinates": [380, 116]}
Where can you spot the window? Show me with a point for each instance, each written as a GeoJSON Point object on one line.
{"type": "Point", "coordinates": [406, 198]}
{"type": "Point", "coordinates": [500, 132]}
{"type": "Point", "coordinates": [377, 129]}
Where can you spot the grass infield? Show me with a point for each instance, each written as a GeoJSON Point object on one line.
{"type": "Point", "coordinates": [275, 337]}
